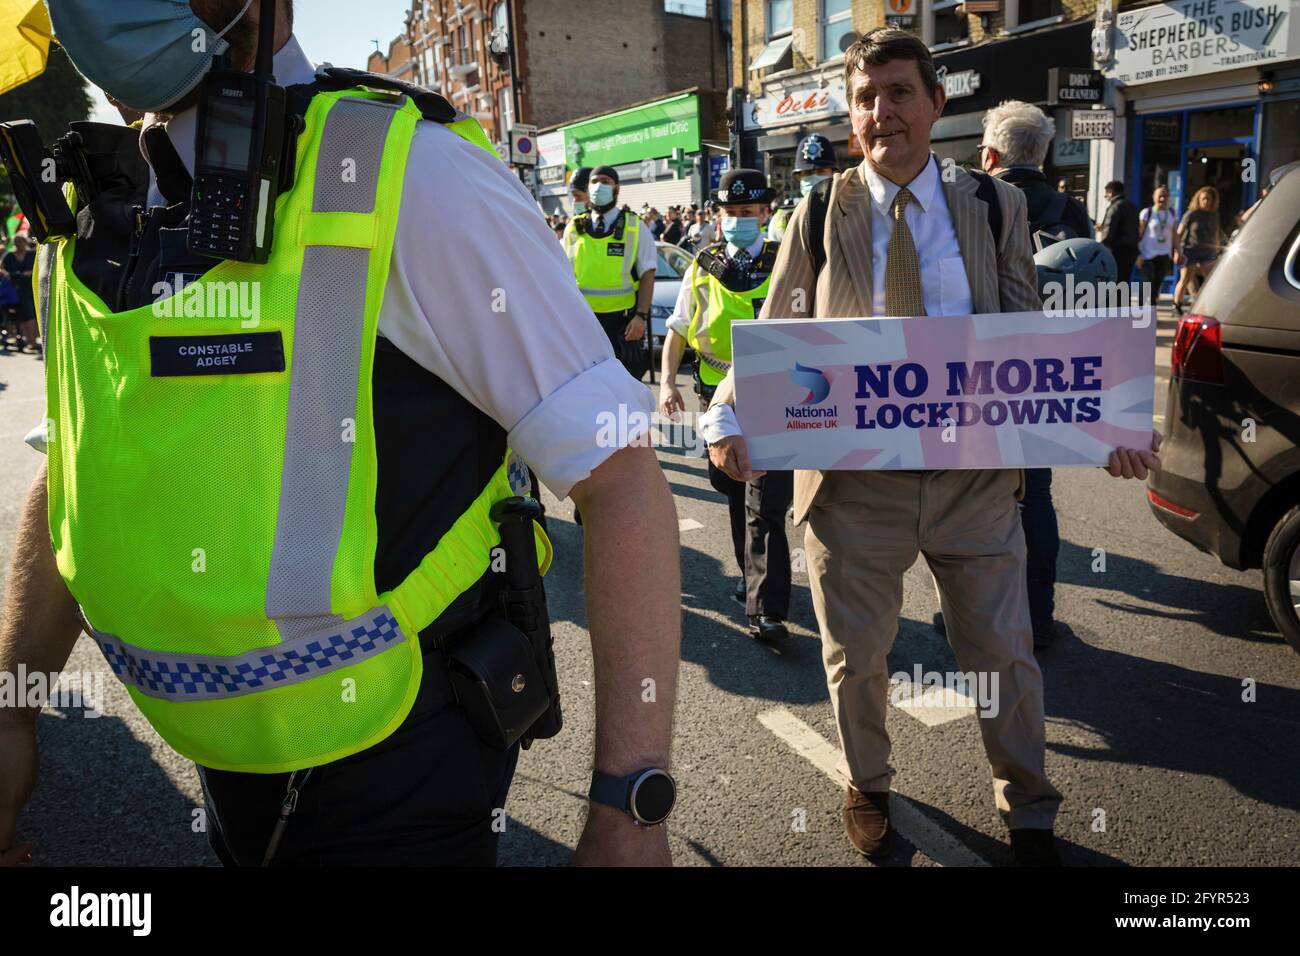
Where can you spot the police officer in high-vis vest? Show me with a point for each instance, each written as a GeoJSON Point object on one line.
{"type": "Point", "coordinates": [814, 162]}
{"type": "Point", "coordinates": [614, 260]}
{"type": "Point", "coordinates": [726, 283]}
{"type": "Point", "coordinates": [293, 515]}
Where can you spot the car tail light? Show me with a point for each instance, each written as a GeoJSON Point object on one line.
{"type": "Point", "coordinates": [1198, 349]}
{"type": "Point", "coordinates": [1165, 505]}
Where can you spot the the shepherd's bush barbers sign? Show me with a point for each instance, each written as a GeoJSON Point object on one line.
{"type": "Point", "coordinates": [1007, 390]}
{"type": "Point", "coordinates": [1193, 37]}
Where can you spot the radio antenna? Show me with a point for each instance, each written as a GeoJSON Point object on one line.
{"type": "Point", "coordinates": [265, 38]}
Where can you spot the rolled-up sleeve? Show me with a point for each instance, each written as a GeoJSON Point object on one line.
{"type": "Point", "coordinates": [481, 295]}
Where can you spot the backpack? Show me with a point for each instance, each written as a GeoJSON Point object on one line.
{"type": "Point", "coordinates": [1051, 227]}
{"type": "Point", "coordinates": [819, 202]}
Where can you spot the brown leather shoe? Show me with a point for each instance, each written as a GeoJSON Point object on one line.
{"type": "Point", "coordinates": [866, 821]}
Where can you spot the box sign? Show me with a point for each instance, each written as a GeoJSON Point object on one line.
{"type": "Point", "coordinates": [1092, 124]}
{"type": "Point", "coordinates": [962, 83]}
{"type": "Point", "coordinates": [629, 136]}
{"type": "Point", "coordinates": [1004, 390]}
{"type": "Point", "coordinates": [797, 106]}
{"type": "Point", "coordinates": [1195, 37]}
{"type": "Point", "coordinates": [1067, 86]}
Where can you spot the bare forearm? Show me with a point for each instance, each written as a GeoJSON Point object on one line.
{"type": "Point", "coordinates": [40, 623]}
{"type": "Point", "coordinates": [633, 587]}
{"type": "Point", "coordinates": [671, 359]}
{"type": "Point", "coordinates": [645, 293]}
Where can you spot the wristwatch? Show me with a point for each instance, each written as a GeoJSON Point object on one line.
{"type": "Point", "coordinates": [641, 315]}
{"type": "Point", "coordinates": [647, 796]}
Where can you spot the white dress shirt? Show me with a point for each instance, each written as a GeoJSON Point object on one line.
{"type": "Point", "coordinates": [945, 289]}
{"type": "Point", "coordinates": [647, 253]}
{"type": "Point", "coordinates": [470, 240]}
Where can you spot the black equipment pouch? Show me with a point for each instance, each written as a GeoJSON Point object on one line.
{"type": "Point", "coordinates": [503, 668]}
{"type": "Point", "coordinates": [495, 677]}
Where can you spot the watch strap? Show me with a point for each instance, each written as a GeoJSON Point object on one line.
{"type": "Point", "coordinates": [613, 791]}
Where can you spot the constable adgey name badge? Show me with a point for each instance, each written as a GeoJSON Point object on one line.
{"type": "Point", "coordinates": [614, 249]}
{"type": "Point", "coordinates": [244, 354]}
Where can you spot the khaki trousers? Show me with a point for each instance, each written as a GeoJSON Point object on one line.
{"type": "Point", "coordinates": [865, 529]}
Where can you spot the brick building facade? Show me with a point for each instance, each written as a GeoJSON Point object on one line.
{"type": "Point", "coordinates": [574, 57]}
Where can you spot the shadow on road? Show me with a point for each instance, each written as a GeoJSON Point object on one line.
{"type": "Point", "coordinates": [1154, 714]}
{"type": "Point", "coordinates": [1229, 610]}
{"type": "Point", "coordinates": [101, 800]}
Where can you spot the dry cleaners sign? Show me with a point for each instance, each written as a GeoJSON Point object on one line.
{"type": "Point", "coordinates": [1193, 37]}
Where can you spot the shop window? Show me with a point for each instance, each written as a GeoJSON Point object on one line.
{"type": "Point", "coordinates": [780, 38]}
{"type": "Point", "coordinates": [1161, 160]}
{"type": "Point", "coordinates": [1031, 11]}
{"type": "Point", "coordinates": [949, 25]}
{"type": "Point", "coordinates": [837, 27]}
{"type": "Point", "coordinates": [1221, 124]}
{"type": "Point", "coordinates": [1281, 137]}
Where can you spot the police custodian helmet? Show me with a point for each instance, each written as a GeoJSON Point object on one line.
{"type": "Point", "coordinates": [815, 152]}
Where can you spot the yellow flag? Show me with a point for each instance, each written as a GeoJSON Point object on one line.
{"type": "Point", "coordinates": [25, 34]}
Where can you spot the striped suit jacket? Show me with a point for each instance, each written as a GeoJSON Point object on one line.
{"type": "Point", "coordinates": [1002, 276]}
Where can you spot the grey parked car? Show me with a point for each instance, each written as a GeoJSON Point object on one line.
{"type": "Point", "coordinates": [672, 266]}
{"type": "Point", "coordinates": [1230, 481]}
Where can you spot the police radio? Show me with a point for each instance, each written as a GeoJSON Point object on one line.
{"type": "Point", "coordinates": [240, 160]}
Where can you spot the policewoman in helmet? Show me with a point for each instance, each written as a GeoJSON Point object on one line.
{"type": "Point", "coordinates": [814, 162]}
{"type": "Point", "coordinates": [292, 531]}
{"type": "Point", "coordinates": [728, 282]}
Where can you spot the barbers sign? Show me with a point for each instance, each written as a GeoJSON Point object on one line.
{"type": "Point", "coordinates": [1194, 37]}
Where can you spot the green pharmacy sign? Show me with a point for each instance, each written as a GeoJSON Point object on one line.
{"type": "Point", "coordinates": [643, 132]}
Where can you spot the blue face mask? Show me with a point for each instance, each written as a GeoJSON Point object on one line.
{"type": "Point", "coordinates": [809, 183]}
{"type": "Point", "coordinates": [146, 54]}
{"type": "Point", "coordinates": [579, 206]}
{"type": "Point", "coordinates": [741, 231]}
{"type": "Point", "coordinates": [601, 195]}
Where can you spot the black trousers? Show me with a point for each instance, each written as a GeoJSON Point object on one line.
{"type": "Point", "coordinates": [631, 354]}
{"type": "Point", "coordinates": [757, 511]}
{"type": "Point", "coordinates": [427, 795]}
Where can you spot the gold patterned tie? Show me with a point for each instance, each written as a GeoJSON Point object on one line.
{"type": "Point", "coordinates": [902, 268]}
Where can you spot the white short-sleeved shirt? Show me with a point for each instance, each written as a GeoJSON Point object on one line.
{"type": "Point", "coordinates": [480, 294]}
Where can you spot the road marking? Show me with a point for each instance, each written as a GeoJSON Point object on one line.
{"type": "Point", "coordinates": [688, 524]}
{"type": "Point", "coordinates": [918, 829]}
{"type": "Point", "coordinates": [931, 704]}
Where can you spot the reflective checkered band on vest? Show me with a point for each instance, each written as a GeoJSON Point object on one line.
{"type": "Point", "coordinates": [717, 363]}
{"type": "Point", "coordinates": [183, 677]}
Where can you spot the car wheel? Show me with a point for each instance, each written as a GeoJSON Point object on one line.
{"type": "Point", "coordinates": [1282, 576]}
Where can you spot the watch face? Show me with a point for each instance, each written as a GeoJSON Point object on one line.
{"type": "Point", "coordinates": [653, 797]}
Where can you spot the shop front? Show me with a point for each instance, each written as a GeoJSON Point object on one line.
{"type": "Point", "coordinates": [655, 147]}
{"type": "Point", "coordinates": [1051, 68]}
{"type": "Point", "coordinates": [1209, 92]}
{"type": "Point", "coordinates": [774, 124]}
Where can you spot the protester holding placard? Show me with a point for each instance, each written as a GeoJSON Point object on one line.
{"type": "Point", "coordinates": [902, 238]}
